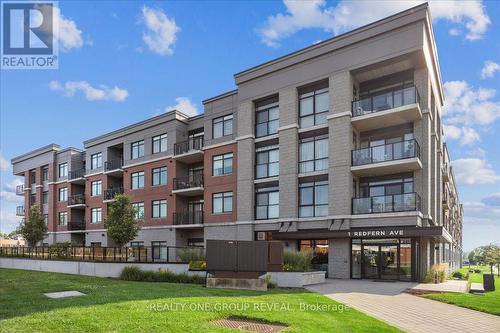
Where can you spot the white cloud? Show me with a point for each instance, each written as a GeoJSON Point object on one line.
{"type": "Point", "coordinates": [91, 93]}
{"type": "Point", "coordinates": [66, 31]}
{"type": "Point", "coordinates": [4, 164]}
{"type": "Point", "coordinates": [162, 31]}
{"type": "Point", "coordinates": [493, 200]}
{"type": "Point", "coordinates": [347, 15]}
{"type": "Point", "coordinates": [466, 105]}
{"type": "Point", "coordinates": [466, 135]}
{"type": "Point", "coordinates": [11, 186]}
{"type": "Point", "coordinates": [489, 69]}
{"type": "Point", "coordinates": [10, 196]}
{"type": "Point", "coordinates": [185, 106]}
{"type": "Point", "coordinates": [473, 171]}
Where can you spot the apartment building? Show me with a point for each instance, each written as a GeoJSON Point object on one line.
{"type": "Point", "coordinates": [336, 148]}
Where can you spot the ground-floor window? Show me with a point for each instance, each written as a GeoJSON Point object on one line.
{"type": "Point", "coordinates": [159, 250]}
{"type": "Point", "coordinates": [384, 259]}
{"type": "Point", "coordinates": [195, 242]}
{"type": "Point", "coordinates": [319, 248]}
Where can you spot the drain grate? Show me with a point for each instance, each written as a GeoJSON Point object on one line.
{"type": "Point", "coordinates": [249, 325]}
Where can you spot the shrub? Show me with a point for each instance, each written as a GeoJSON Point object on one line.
{"type": "Point", "coordinates": [477, 270]}
{"type": "Point", "coordinates": [60, 250]}
{"type": "Point", "coordinates": [191, 254]}
{"type": "Point", "coordinates": [198, 265]}
{"type": "Point", "coordinates": [131, 273]}
{"type": "Point", "coordinates": [436, 274]}
{"type": "Point", "coordinates": [458, 275]}
{"type": "Point", "coordinates": [295, 261]}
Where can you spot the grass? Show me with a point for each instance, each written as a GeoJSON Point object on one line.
{"type": "Point", "coordinates": [125, 306]}
{"type": "Point", "coordinates": [489, 302]}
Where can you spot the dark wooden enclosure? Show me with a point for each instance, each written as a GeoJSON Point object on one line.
{"type": "Point", "coordinates": [243, 259]}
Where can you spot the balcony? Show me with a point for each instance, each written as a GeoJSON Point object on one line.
{"type": "Point", "coordinates": [20, 190]}
{"type": "Point", "coordinates": [20, 211]}
{"type": "Point", "coordinates": [77, 176]}
{"type": "Point", "coordinates": [188, 217]}
{"type": "Point", "coordinates": [76, 201]}
{"type": "Point", "coordinates": [446, 172]}
{"type": "Point", "coordinates": [109, 194]}
{"type": "Point", "coordinates": [113, 167]}
{"type": "Point", "coordinates": [389, 108]}
{"type": "Point", "coordinates": [386, 204]}
{"type": "Point", "coordinates": [189, 186]}
{"type": "Point", "coordinates": [398, 157]}
{"type": "Point", "coordinates": [189, 151]}
{"type": "Point", "coordinates": [76, 225]}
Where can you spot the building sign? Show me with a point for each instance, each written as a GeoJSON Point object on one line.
{"type": "Point", "coordinates": [376, 233]}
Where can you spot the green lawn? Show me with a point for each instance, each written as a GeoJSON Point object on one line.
{"type": "Point", "coordinates": [489, 302]}
{"type": "Point", "coordinates": [123, 306]}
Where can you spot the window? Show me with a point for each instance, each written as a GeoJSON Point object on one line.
{"type": "Point", "coordinates": [266, 120]}
{"type": "Point", "coordinates": [222, 126]}
{"type": "Point", "coordinates": [137, 149]}
{"type": "Point", "coordinates": [33, 176]}
{"type": "Point", "coordinates": [139, 210]}
{"type": "Point", "coordinates": [222, 165]}
{"type": "Point", "coordinates": [63, 218]}
{"type": "Point", "coordinates": [96, 215]}
{"type": "Point", "coordinates": [63, 170]}
{"type": "Point", "coordinates": [313, 154]}
{"type": "Point", "coordinates": [159, 143]}
{"type": "Point", "coordinates": [267, 203]}
{"type": "Point", "coordinates": [137, 244]}
{"type": "Point", "coordinates": [137, 180]}
{"type": "Point", "coordinates": [96, 161]}
{"type": "Point", "coordinates": [160, 176]}
{"type": "Point", "coordinates": [313, 199]}
{"type": "Point", "coordinates": [222, 202]}
{"type": "Point", "coordinates": [159, 208]}
{"type": "Point", "coordinates": [46, 219]}
{"type": "Point", "coordinates": [32, 199]}
{"type": "Point", "coordinates": [96, 188]}
{"type": "Point", "coordinates": [63, 194]}
{"type": "Point", "coordinates": [45, 197]}
{"type": "Point", "coordinates": [159, 249]}
{"type": "Point", "coordinates": [95, 244]}
{"type": "Point", "coordinates": [313, 106]}
{"type": "Point", "coordinates": [267, 162]}
{"type": "Point", "coordinates": [45, 174]}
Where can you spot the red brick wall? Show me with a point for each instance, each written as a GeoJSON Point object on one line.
{"type": "Point", "coordinates": [95, 202]}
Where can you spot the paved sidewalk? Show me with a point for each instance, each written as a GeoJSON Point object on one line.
{"type": "Point", "coordinates": [388, 302]}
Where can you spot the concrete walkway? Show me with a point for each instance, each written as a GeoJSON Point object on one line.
{"type": "Point", "coordinates": [388, 302]}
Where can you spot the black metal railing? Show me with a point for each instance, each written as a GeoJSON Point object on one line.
{"type": "Point", "coordinates": [385, 100]}
{"type": "Point", "coordinates": [76, 225]}
{"type": "Point", "coordinates": [20, 189]}
{"type": "Point", "coordinates": [113, 165]}
{"type": "Point", "coordinates": [195, 143]}
{"type": "Point", "coordinates": [387, 203]}
{"type": "Point", "coordinates": [110, 193]}
{"type": "Point", "coordinates": [389, 152]}
{"type": "Point", "coordinates": [77, 199]}
{"type": "Point", "coordinates": [20, 211]}
{"type": "Point", "coordinates": [195, 180]}
{"type": "Point", "coordinates": [188, 217]}
{"type": "Point", "coordinates": [143, 254]}
{"type": "Point", "coordinates": [76, 174]}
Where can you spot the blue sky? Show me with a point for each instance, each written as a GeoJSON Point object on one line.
{"type": "Point", "coordinates": [122, 62]}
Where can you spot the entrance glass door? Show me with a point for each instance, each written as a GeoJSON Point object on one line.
{"type": "Point", "coordinates": [370, 261]}
{"type": "Point", "coordinates": [389, 262]}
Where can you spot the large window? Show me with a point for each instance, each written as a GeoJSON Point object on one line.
{"type": "Point", "coordinates": [159, 249]}
{"type": "Point", "coordinates": [63, 218]}
{"type": "Point", "coordinates": [96, 188]}
{"type": "Point", "coordinates": [222, 202]}
{"type": "Point", "coordinates": [160, 176]}
{"type": "Point", "coordinates": [63, 170]}
{"type": "Point", "coordinates": [137, 149]}
{"type": "Point", "coordinates": [45, 197]}
{"type": "Point", "coordinates": [139, 210]}
{"type": "Point", "coordinates": [222, 126]}
{"type": "Point", "coordinates": [159, 208]}
{"type": "Point", "coordinates": [266, 120]}
{"type": "Point", "coordinates": [46, 219]}
{"type": "Point", "coordinates": [45, 174]}
{"type": "Point", "coordinates": [222, 165]}
{"type": "Point", "coordinates": [267, 203]}
{"type": "Point", "coordinates": [313, 106]}
{"type": "Point", "coordinates": [313, 154]}
{"type": "Point", "coordinates": [313, 199]}
{"type": "Point", "coordinates": [63, 194]}
{"type": "Point", "coordinates": [159, 143]}
{"type": "Point", "coordinates": [137, 180]}
{"type": "Point", "coordinates": [96, 161]}
{"type": "Point", "coordinates": [267, 161]}
{"type": "Point", "coordinates": [96, 215]}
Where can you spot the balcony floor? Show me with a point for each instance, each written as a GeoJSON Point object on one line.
{"type": "Point", "coordinates": [189, 192]}
{"type": "Point", "coordinates": [387, 167]}
{"type": "Point", "coordinates": [387, 118]}
{"type": "Point", "coordinates": [192, 156]}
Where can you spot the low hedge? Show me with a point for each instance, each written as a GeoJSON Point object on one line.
{"type": "Point", "coordinates": [132, 273]}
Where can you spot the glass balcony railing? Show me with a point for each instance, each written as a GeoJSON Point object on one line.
{"type": "Point", "coordinates": [195, 143]}
{"type": "Point", "coordinates": [387, 203]}
{"type": "Point", "coordinates": [385, 101]}
{"type": "Point", "coordinates": [389, 152]}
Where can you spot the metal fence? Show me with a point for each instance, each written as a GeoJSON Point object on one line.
{"type": "Point", "coordinates": [142, 254]}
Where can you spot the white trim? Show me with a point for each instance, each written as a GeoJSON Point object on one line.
{"type": "Point", "coordinates": [144, 162]}
{"type": "Point", "coordinates": [282, 128]}
{"type": "Point", "coordinates": [267, 137]}
{"type": "Point", "coordinates": [266, 180]}
{"type": "Point", "coordinates": [313, 173]}
{"type": "Point", "coordinates": [374, 166]}
{"type": "Point", "coordinates": [313, 128]}
{"type": "Point", "coordinates": [219, 144]}
{"type": "Point", "coordinates": [338, 115]}
{"type": "Point", "coordinates": [93, 174]}
{"type": "Point", "coordinates": [58, 182]}
{"type": "Point", "coordinates": [243, 137]}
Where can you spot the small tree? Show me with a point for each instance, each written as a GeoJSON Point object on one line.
{"type": "Point", "coordinates": [120, 222]}
{"type": "Point", "coordinates": [33, 228]}
{"type": "Point", "coordinates": [491, 254]}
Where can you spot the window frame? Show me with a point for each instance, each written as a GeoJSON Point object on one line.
{"type": "Point", "coordinates": [155, 172]}
{"type": "Point", "coordinates": [159, 140]}
{"type": "Point", "coordinates": [138, 207]}
{"type": "Point", "coordinates": [313, 94]}
{"type": "Point", "coordinates": [65, 196]}
{"type": "Point", "coordinates": [266, 150]}
{"type": "Point", "coordinates": [224, 121]}
{"type": "Point", "coordinates": [45, 197]}
{"type": "Point", "coordinates": [224, 158]}
{"type": "Point", "coordinates": [138, 147]}
{"type": "Point", "coordinates": [266, 191]}
{"type": "Point", "coordinates": [140, 174]}
{"type": "Point", "coordinates": [222, 196]}
{"type": "Point", "coordinates": [45, 174]}
{"type": "Point", "coordinates": [314, 205]}
{"type": "Point", "coordinates": [64, 216]}
{"type": "Point", "coordinates": [63, 167]}
{"type": "Point", "coordinates": [159, 203]}
{"type": "Point", "coordinates": [96, 161]}
{"type": "Point", "coordinates": [266, 109]}
{"type": "Point", "coordinates": [96, 183]}
{"type": "Point", "coordinates": [315, 160]}
{"type": "Point", "coordinates": [98, 213]}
